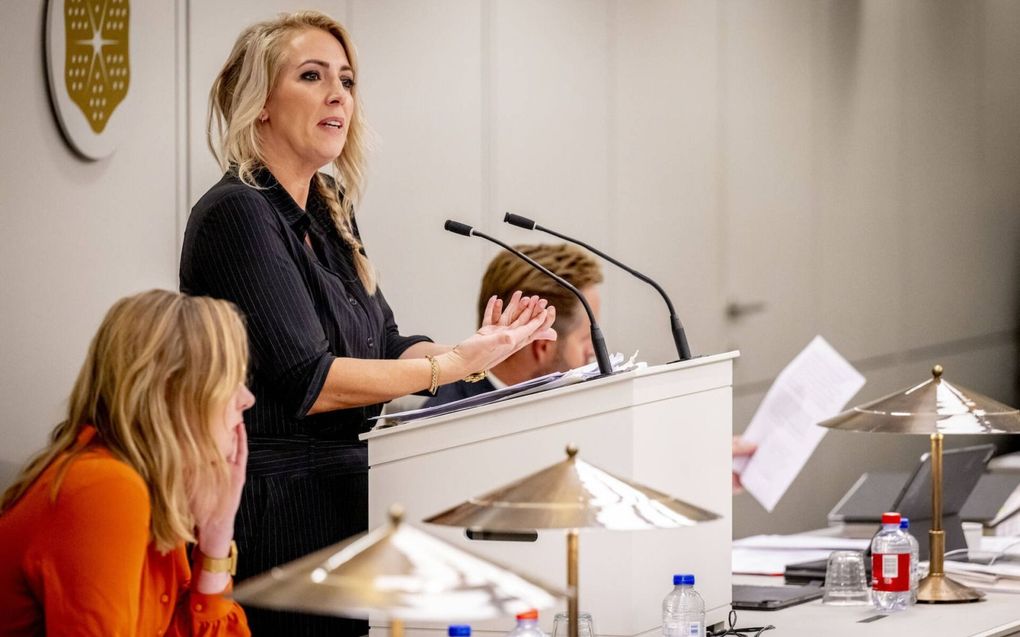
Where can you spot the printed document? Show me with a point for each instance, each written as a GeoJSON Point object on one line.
{"type": "Point", "coordinates": [815, 386]}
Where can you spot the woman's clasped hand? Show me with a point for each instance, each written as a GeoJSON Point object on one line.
{"type": "Point", "coordinates": [503, 332]}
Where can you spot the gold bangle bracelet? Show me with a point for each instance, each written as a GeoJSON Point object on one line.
{"type": "Point", "coordinates": [434, 364]}
{"type": "Point", "coordinates": [226, 564]}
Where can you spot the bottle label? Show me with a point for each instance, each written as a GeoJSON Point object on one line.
{"type": "Point", "coordinates": [682, 629]}
{"type": "Point", "coordinates": [890, 572]}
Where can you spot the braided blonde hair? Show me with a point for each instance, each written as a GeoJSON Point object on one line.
{"type": "Point", "coordinates": [158, 374]}
{"type": "Point", "coordinates": [238, 96]}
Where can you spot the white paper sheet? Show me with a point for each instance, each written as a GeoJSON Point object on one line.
{"type": "Point", "coordinates": [815, 386]}
{"type": "Point", "coordinates": [802, 542]}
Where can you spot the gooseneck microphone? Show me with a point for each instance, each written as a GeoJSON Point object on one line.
{"type": "Point", "coordinates": [597, 340]}
{"type": "Point", "coordinates": [679, 337]}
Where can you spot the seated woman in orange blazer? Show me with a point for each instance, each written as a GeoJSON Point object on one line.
{"type": "Point", "coordinates": [151, 457]}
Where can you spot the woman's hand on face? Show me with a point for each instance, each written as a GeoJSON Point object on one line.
{"type": "Point", "coordinates": [503, 332]}
{"type": "Point", "coordinates": [217, 528]}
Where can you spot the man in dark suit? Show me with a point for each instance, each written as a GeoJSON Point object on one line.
{"type": "Point", "coordinates": [572, 348]}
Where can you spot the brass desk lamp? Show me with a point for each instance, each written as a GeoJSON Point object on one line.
{"type": "Point", "coordinates": [933, 407]}
{"type": "Point", "coordinates": [572, 495]}
{"type": "Point", "coordinates": [398, 571]}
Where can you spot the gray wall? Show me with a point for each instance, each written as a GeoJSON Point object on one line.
{"type": "Point", "coordinates": [851, 165]}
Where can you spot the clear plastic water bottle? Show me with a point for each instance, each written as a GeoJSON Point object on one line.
{"type": "Point", "coordinates": [890, 566]}
{"type": "Point", "coordinates": [683, 610]}
{"type": "Point", "coordinates": [459, 630]}
{"type": "Point", "coordinates": [527, 626]}
{"type": "Point", "coordinates": [915, 559]}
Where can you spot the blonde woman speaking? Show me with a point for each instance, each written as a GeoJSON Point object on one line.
{"type": "Point", "coordinates": [279, 239]}
{"type": "Point", "coordinates": [151, 456]}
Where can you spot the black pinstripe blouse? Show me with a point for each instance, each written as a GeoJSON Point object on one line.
{"type": "Point", "coordinates": [304, 307]}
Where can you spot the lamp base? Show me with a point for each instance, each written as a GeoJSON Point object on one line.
{"type": "Point", "coordinates": [939, 589]}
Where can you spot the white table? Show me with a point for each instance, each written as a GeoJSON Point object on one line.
{"type": "Point", "coordinates": [998, 615]}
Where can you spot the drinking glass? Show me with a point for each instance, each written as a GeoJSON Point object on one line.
{"type": "Point", "coordinates": [585, 627]}
{"type": "Point", "coordinates": [846, 581]}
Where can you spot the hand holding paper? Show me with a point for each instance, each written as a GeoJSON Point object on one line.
{"type": "Point", "coordinates": [815, 386]}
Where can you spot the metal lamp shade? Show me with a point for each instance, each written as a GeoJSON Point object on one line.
{"type": "Point", "coordinates": [934, 406]}
{"type": "Point", "coordinates": [572, 494]}
{"type": "Point", "coordinates": [400, 572]}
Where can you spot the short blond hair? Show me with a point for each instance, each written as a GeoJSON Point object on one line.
{"type": "Point", "coordinates": [160, 370]}
{"type": "Point", "coordinates": [507, 273]}
{"type": "Point", "coordinates": [239, 94]}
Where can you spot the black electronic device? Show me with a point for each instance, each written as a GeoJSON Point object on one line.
{"type": "Point", "coordinates": [873, 494]}
{"type": "Point", "coordinates": [962, 469]}
{"type": "Point", "coordinates": [989, 496]}
{"type": "Point", "coordinates": [747, 597]}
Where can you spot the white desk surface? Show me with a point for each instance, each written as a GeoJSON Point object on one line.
{"type": "Point", "coordinates": [997, 616]}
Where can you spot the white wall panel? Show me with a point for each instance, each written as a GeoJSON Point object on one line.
{"type": "Point", "coordinates": [76, 235]}
{"type": "Point", "coordinates": [664, 158]}
{"type": "Point", "coordinates": [551, 72]}
{"type": "Point", "coordinates": [550, 112]}
{"type": "Point", "coordinates": [421, 81]}
{"type": "Point", "coordinates": [858, 182]}
{"type": "Point", "coordinates": [767, 146]}
{"type": "Point", "coordinates": [942, 128]}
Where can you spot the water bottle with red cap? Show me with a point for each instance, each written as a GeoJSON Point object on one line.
{"type": "Point", "coordinates": [890, 566]}
{"type": "Point", "coordinates": [527, 626]}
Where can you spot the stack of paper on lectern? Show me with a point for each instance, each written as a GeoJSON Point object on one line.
{"type": "Point", "coordinates": [525, 388]}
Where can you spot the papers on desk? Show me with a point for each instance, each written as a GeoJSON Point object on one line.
{"type": "Point", "coordinates": [525, 388]}
{"type": "Point", "coordinates": [996, 567]}
{"type": "Point", "coordinates": [815, 386]}
{"type": "Point", "coordinates": [770, 554]}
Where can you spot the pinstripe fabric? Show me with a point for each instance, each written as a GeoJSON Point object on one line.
{"type": "Point", "coordinates": [307, 475]}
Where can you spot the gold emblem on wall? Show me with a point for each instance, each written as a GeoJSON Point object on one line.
{"type": "Point", "coordinates": [96, 65]}
{"type": "Point", "coordinates": [89, 60]}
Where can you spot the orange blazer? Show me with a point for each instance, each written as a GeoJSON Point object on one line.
{"type": "Point", "coordinates": [83, 564]}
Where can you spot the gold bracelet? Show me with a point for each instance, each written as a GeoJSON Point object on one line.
{"type": "Point", "coordinates": [226, 564]}
{"type": "Point", "coordinates": [434, 364]}
{"type": "Point", "coordinates": [474, 378]}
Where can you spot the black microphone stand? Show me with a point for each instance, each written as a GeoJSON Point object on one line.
{"type": "Point", "coordinates": [597, 340]}
{"type": "Point", "coordinates": [679, 336]}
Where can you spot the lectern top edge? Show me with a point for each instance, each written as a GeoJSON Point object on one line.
{"type": "Point", "coordinates": [585, 386]}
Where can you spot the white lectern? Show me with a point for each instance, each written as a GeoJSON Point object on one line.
{"type": "Point", "coordinates": [667, 427]}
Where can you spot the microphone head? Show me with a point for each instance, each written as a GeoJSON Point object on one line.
{"type": "Point", "coordinates": [458, 227]}
{"type": "Point", "coordinates": [519, 221]}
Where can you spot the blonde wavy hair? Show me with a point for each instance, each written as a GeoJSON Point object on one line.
{"type": "Point", "coordinates": [159, 372]}
{"type": "Point", "coordinates": [239, 94]}
{"type": "Point", "coordinates": [507, 273]}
